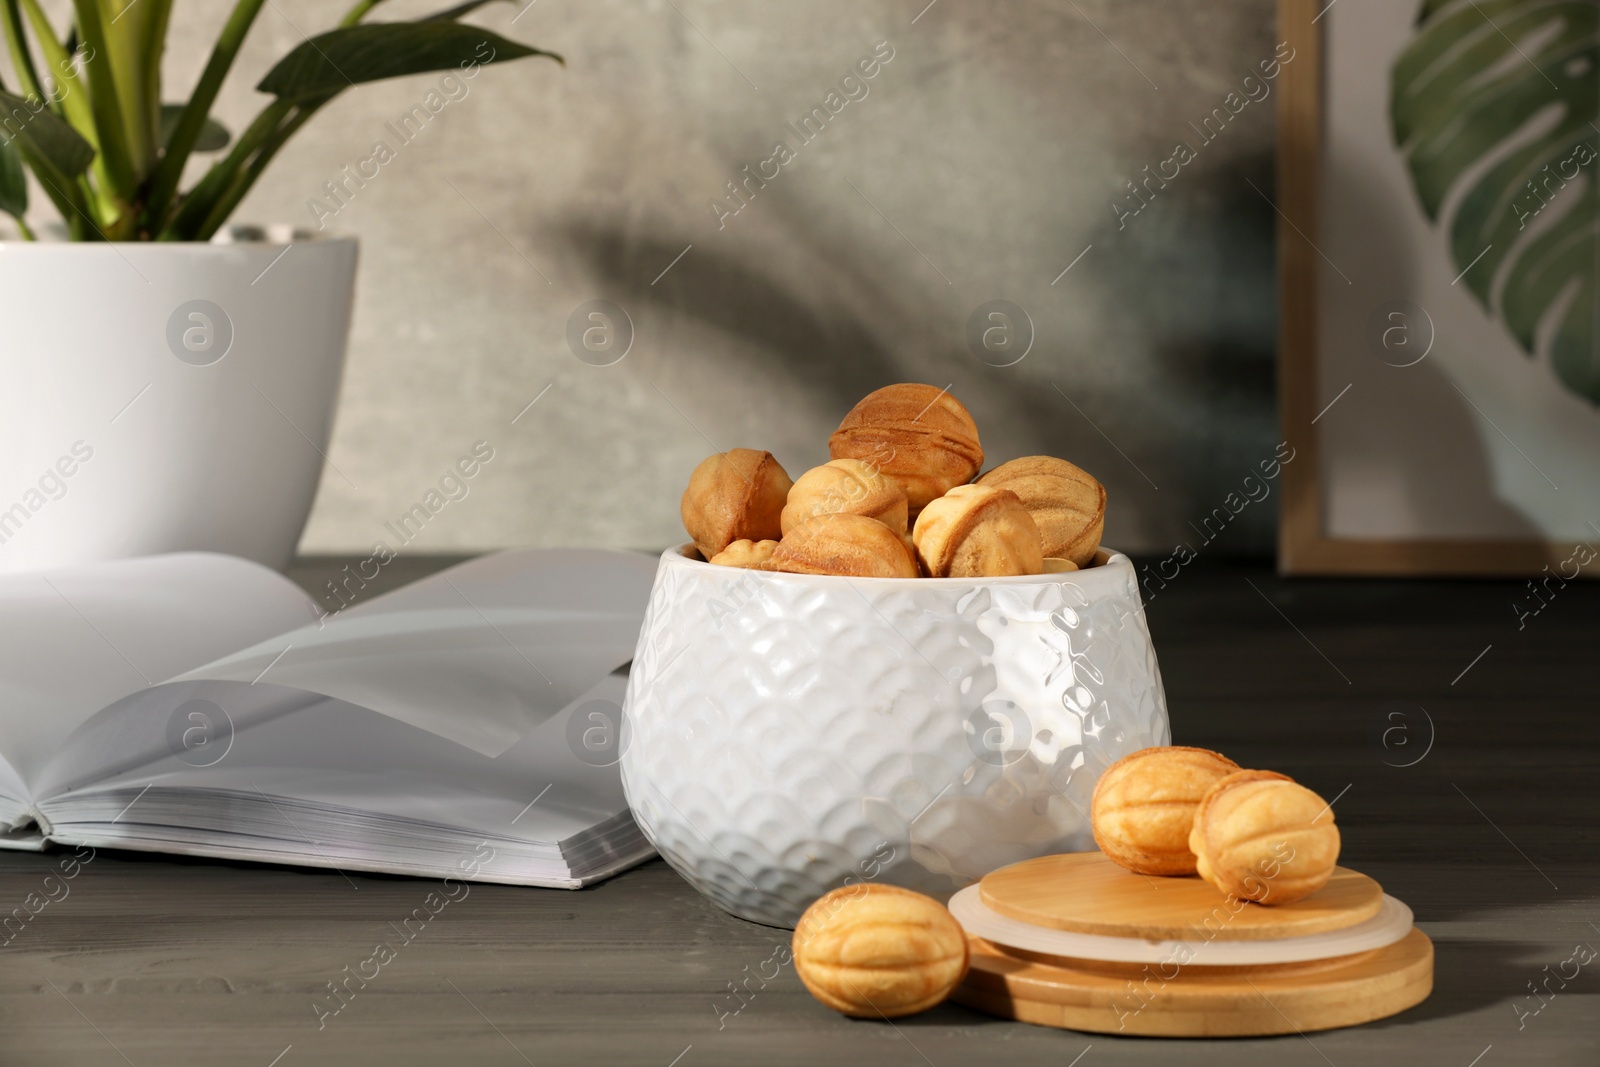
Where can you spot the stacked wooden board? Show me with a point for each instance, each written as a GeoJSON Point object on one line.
{"type": "Point", "coordinates": [1075, 941]}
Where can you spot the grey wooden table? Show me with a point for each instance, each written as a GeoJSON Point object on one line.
{"type": "Point", "coordinates": [1462, 749]}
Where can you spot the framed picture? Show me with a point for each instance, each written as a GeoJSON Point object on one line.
{"type": "Point", "coordinates": [1437, 204]}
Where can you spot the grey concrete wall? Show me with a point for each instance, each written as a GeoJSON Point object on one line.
{"type": "Point", "coordinates": [984, 159]}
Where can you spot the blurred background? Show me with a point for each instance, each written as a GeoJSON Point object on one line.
{"type": "Point", "coordinates": [983, 162]}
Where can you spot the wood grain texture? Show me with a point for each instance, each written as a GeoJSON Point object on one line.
{"type": "Point", "coordinates": [1171, 1000]}
{"type": "Point", "coordinates": [193, 963]}
{"type": "Point", "coordinates": [1087, 893]}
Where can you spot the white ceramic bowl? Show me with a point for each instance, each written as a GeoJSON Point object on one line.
{"type": "Point", "coordinates": [786, 733]}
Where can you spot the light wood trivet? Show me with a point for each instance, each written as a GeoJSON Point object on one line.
{"type": "Point", "coordinates": [1087, 893]}
{"type": "Point", "coordinates": [1177, 1001]}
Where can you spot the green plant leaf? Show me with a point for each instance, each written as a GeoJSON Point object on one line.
{"type": "Point", "coordinates": [359, 11]}
{"type": "Point", "coordinates": [1495, 105]}
{"type": "Point", "coordinates": [459, 11]}
{"type": "Point", "coordinates": [13, 181]}
{"type": "Point", "coordinates": [45, 133]}
{"type": "Point", "coordinates": [214, 136]}
{"type": "Point", "coordinates": [340, 58]}
{"type": "Point", "coordinates": [111, 129]}
{"type": "Point", "coordinates": [162, 189]}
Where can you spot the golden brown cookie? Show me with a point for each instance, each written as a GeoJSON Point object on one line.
{"type": "Point", "coordinates": [753, 555]}
{"type": "Point", "coordinates": [733, 496]}
{"type": "Point", "coordinates": [843, 544]}
{"type": "Point", "coordinates": [918, 435]}
{"type": "Point", "coordinates": [846, 486]}
{"type": "Point", "coordinates": [975, 531]}
{"type": "Point", "coordinates": [1066, 502]}
{"type": "Point", "coordinates": [1262, 836]}
{"type": "Point", "coordinates": [1144, 804]}
{"type": "Point", "coordinates": [877, 951]}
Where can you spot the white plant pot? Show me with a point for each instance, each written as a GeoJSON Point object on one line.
{"type": "Point", "coordinates": [161, 397]}
{"type": "Point", "coordinates": [786, 734]}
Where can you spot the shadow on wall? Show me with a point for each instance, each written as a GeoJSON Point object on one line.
{"type": "Point", "coordinates": [1193, 297]}
{"type": "Point", "coordinates": [1198, 286]}
{"type": "Point", "coordinates": [832, 350]}
{"type": "Point", "coordinates": [1405, 435]}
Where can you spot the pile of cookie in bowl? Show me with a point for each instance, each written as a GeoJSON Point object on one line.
{"type": "Point", "coordinates": [901, 498]}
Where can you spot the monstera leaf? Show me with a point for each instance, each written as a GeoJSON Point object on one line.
{"type": "Point", "coordinates": [1495, 105]}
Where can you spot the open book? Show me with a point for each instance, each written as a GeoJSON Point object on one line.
{"type": "Point", "coordinates": [466, 725]}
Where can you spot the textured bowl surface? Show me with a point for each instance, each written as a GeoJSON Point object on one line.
{"type": "Point", "coordinates": [788, 734]}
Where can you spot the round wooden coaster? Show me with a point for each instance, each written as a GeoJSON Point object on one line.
{"type": "Point", "coordinates": [1085, 892]}
{"type": "Point", "coordinates": [1171, 1000]}
{"type": "Point", "coordinates": [1391, 924]}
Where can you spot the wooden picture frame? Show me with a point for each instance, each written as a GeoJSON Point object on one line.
{"type": "Point", "coordinates": [1304, 546]}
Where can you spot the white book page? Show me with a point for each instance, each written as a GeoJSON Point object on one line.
{"type": "Point", "coordinates": [323, 775]}
{"type": "Point", "coordinates": [74, 640]}
{"type": "Point", "coordinates": [479, 654]}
